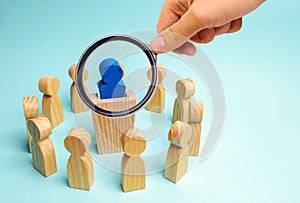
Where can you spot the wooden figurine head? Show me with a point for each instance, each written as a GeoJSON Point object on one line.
{"type": "Point", "coordinates": [31, 107]}
{"type": "Point", "coordinates": [72, 73]}
{"type": "Point", "coordinates": [185, 88]}
{"type": "Point", "coordinates": [77, 141]}
{"type": "Point", "coordinates": [49, 85]}
{"type": "Point", "coordinates": [133, 142]}
{"type": "Point", "coordinates": [161, 73]}
{"type": "Point", "coordinates": [39, 127]}
{"type": "Point", "coordinates": [180, 134]}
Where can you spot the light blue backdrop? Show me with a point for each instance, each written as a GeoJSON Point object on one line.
{"type": "Point", "coordinates": [257, 159]}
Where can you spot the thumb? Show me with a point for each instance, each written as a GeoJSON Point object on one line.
{"type": "Point", "coordinates": [177, 34]}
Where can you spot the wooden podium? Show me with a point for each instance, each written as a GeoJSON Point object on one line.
{"type": "Point", "coordinates": [109, 130]}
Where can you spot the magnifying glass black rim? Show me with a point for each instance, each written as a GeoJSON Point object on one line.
{"type": "Point", "coordinates": [80, 67]}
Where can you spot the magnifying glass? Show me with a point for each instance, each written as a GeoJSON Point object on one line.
{"type": "Point", "coordinates": [139, 60]}
{"type": "Point", "coordinates": [80, 75]}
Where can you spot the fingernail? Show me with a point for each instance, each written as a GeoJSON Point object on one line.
{"type": "Point", "coordinates": [158, 43]}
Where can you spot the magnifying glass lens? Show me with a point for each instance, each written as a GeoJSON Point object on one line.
{"type": "Point", "coordinates": [112, 76]}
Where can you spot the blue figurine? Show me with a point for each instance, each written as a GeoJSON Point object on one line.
{"type": "Point", "coordinates": [111, 85]}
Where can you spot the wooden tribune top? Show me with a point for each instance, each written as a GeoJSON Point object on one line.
{"type": "Point", "coordinates": [115, 104]}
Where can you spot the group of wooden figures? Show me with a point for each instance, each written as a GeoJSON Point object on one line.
{"type": "Point", "coordinates": [39, 128]}
{"type": "Point", "coordinates": [184, 135]}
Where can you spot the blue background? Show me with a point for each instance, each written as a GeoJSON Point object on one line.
{"type": "Point", "coordinates": [257, 158]}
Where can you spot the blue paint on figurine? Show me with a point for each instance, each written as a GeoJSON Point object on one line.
{"type": "Point", "coordinates": [111, 85]}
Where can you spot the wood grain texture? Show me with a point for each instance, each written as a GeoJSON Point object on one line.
{"type": "Point", "coordinates": [31, 110]}
{"type": "Point", "coordinates": [108, 130]}
{"type": "Point", "coordinates": [157, 102]}
{"type": "Point", "coordinates": [133, 142]}
{"type": "Point", "coordinates": [189, 111]}
{"type": "Point", "coordinates": [178, 152]}
{"type": "Point", "coordinates": [196, 111]}
{"type": "Point", "coordinates": [80, 164]}
{"type": "Point", "coordinates": [181, 110]}
{"type": "Point", "coordinates": [176, 163]}
{"type": "Point", "coordinates": [94, 97]}
{"type": "Point", "coordinates": [49, 85]}
{"type": "Point", "coordinates": [43, 154]}
{"type": "Point", "coordinates": [31, 106]}
{"type": "Point", "coordinates": [133, 168]}
{"type": "Point", "coordinates": [72, 73]}
{"type": "Point", "coordinates": [195, 139]}
{"type": "Point", "coordinates": [133, 173]}
{"type": "Point", "coordinates": [185, 89]}
{"type": "Point", "coordinates": [179, 134]}
{"type": "Point", "coordinates": [196, 115]}
{"type": "Point", "coordinates": [51, 103]}
{"type": "Point", "coordinates": [53, 109]}
{"type": "Point", "coordinates": [77, 105]}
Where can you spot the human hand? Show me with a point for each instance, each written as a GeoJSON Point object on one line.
{"type": "Point", "coordinates": [198, 20]}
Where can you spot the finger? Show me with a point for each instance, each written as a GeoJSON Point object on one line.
{"type": "Point", "coordinates": [201, 15]}
{"type": "Point", "coordinates": [204, 36]}
{"type": "Point", "coordinates": [222, 29]}
{"type": "Point", "coordinates": [167, 16]}
{"type": "Point", "coordinates": [235, 26]}
{"type": "Point", "coordinates": [187, 48]}
{"type": "Point", "coordinates": [178, 33]}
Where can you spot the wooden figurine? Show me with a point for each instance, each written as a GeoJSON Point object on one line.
{"type": "Point", "coordinates": [195, 119]}
{"type": "Point", "coordinates": [178, 153]}
{"type": "Point", "coordinates": [77, 105]}
{"type": "Point", "coordinates": [42, 149]}
{"type": "Point", "coordinates": [111, 84]}
{"type": "Point", "coordinates": [31, 110]}
{"type": "Point", "coordinates": [157, 102]}
{"type": "Point", "coordinates": [80, 164]}
{"type": "Point", "coordinates": [133, 175]}
{"type": "Point", "coordinates": [52, 104]}
{"type": "Point", "coordinates": [185, 89]}
{"type": "Point", "coordinates": [189, 111]}
{"type": "Point", "coordinates": [109, 130]}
